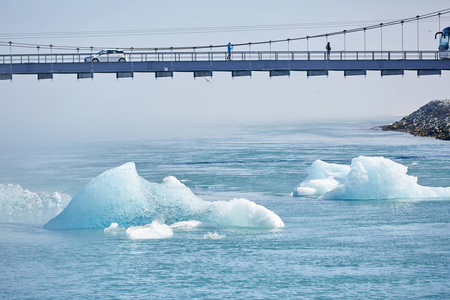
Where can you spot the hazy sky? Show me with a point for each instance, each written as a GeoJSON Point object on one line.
{"type": "Point", "coordinates": [106, 108]}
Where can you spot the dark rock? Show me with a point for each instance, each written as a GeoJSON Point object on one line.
{"type": "Point", "coordinates": [432, 119]}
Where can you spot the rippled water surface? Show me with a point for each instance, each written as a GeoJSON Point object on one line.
{"type": "Point", "coordinates": [379, 249]}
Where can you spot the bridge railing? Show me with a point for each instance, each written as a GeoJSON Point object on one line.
{"type": "Point", "coordinates": [223, 56]}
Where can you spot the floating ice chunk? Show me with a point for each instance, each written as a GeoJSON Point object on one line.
{"type": "Point", "coordinates": [322, 177]}
{"type": "Point", "coordinates": [186, 225]}
{"type": "Point", "coordinates": [367, 178]}
{"type": "Point", "coordinates": [121, 195]}
{"type": "Point", "coordinates": [155, 230]}
{"type": "Point", "coordinates": [243, 213]}
{"type": "Point", "coordinates": [113, 228]}
{"type": "Point", "coordinates": [214, 236]}
{"type": "Point", "coordinates": [15, 199]}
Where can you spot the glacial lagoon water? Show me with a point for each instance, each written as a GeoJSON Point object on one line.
{"type": "Point", "coordinates": [365, 248]}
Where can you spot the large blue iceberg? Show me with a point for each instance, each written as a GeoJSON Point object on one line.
{"type": "Point", "coordinates": [365, 178]}
{"type": "Point", "coordinates": [121, 196]}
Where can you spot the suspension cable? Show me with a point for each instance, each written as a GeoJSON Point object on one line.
{"type": "Point", "coordinates": [270, 42]}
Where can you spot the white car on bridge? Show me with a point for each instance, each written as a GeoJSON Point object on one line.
{"type": "Point", "coordinates": [107, 55]}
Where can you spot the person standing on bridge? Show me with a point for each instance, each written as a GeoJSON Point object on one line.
{"type": "Point", "coordinates": [229, 51]}
{"type": "Point", "coordinates": [328, 47]}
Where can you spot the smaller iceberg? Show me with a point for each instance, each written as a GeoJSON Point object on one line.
{"type": "Point", "coordinates": [365, 178]}
{"type": "Point", "coordinates": [15, 199]}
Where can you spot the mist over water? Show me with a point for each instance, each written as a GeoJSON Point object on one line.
{"type": "Point", "coordinates": [366, 248]}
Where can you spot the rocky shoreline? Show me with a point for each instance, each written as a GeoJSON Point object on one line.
{"type": "Point", "coordinates": [432, 120]}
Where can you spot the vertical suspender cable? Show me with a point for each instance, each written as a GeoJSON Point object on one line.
{"type": "Point", "coordinates": [270, 50]}
{"type": "Point", "coordinates": [289, 55]}
{"type": "Point", "coordinates": [210, 55]}
{"type": "Point", "coordinates": [365, 49]}
{"type": "Point", "coordinates": [51, 57]}
{"type": "Point", "coordinates": [171, 58]}
{"type": "Point", "coordinates": [417, 33]}
{"type": "Point", "coordinates": [289, 49]}
{"type": "Point", "coordinates": [439, 15]}
{"type": "Point", "coordinates": [92, 61]}
{"type": "Point", "coordinates": [403, 57]}
{"type": "Point", "coordinates": [131, 58]}
{"type": "Point", "coordinates": [10, 57]}
{"type": "Point", "coordinates": [381, 38]}
{"type": "Point", "coordinates": [38, 47]}
{"type": "Point", "coordinates": [345, 31]}
{"type": "Point", "coordinates": [307, 46]}
{"type": "Point", "coordinates": [250, 54]}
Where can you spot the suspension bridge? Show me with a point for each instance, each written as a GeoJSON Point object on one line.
{"type": "Point", "coordinates": [202, 61]}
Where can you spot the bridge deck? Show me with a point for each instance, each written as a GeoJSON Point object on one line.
{"type": "Point", "coordinates": [242, 63]}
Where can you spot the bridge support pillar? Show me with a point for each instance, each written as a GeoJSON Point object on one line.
{"type": "Point", "coordinates": [85, 75]}
{"type": "Point", "coordinates": [241, 73]}
{"type": "Point", "coordinates": [279, 73]}
{"type": "Point", "coordinates": [317, 73]}
{"type": "Point", "coordinates": [159, 74]}
{"type": "Point", "coordinates": [428, 72]}
{"type": "Point", "coordinates": [203, 74]}
{"type": "Point", "coordinates": [355, 72]}
{"type": "Point", "coordinates": [45, 76]}
{"type": "Point", "coordinates": [392, 72]}
{"type": "Point", "coordinates": [124, 75]}
{"type": "Point", "coordinates": [5, 76]}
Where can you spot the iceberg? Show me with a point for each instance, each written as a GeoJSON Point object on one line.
{"type": "Point", "coordinates": [365, 178]}
{"type": "Point", "coordinates": [15, 199]}
{"type": "Point", "coordinates": [121, 196]}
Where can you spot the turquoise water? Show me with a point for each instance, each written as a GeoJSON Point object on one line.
{"type": "Point", "coordinates": [377, 249]}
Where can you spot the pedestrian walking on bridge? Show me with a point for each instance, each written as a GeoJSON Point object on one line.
{"type": "Point", "coordinates": [229, 51]}
{"type": "Point", "coordinates": [328, 47]}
